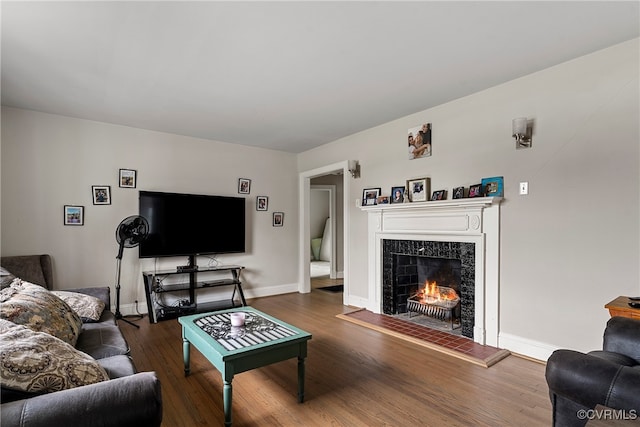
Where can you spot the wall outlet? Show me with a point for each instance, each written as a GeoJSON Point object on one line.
{"type": "Point", "coordinates": [524, 188]}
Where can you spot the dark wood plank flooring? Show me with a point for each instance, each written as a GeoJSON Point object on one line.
{"type": "Point", "coordinates": [355, 377]}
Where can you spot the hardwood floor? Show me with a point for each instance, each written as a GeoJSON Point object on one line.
{"type": "Point", "coordinates": [354, 377]}
{"type": "Point", "coordinates": [319, 282]}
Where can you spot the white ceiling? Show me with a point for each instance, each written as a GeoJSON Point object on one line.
{"type": "Point", "coordinates": [283, 75]}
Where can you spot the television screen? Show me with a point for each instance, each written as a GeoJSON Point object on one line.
{"type": "Point", "coordinates": [191, 224]}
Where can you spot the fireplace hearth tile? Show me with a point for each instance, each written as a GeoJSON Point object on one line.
{"type": "Point", "coordinates": [457, 346]}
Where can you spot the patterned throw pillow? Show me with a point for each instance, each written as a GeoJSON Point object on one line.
{"type": "Point", "coordinates": [36, 362]}
{"type": "Point", "coordinates": [37, 308]}
{"type": "Point", "coordinates": [88, 307]}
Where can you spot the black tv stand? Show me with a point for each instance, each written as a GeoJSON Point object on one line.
{"type": "Point", "coordinates": [186, 269]}
{"type": "Point", "coordinates": [229, 275]}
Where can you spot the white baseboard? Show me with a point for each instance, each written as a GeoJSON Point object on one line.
{"type": "Point", "coordinates": [353, 301]}
{"type": "Point", "coordinates": [530, 348]}
{"type": "Point", "coordinates": [270, 290]}
{"type": "Point", "coordinates": [130, 309]}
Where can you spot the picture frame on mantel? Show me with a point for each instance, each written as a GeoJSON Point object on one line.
{"type": "Point", "coordinates": [493, 187]}
{"type": "Point", "coordinates": [458, 193]}
{"type": "Point", "coordinates": [397, 194]}
{"type": "Point", "coordinates": [419, 189]}
{"type": "Point", "coordinates": [475, 190]}
{"type": "Point", "coordinates": [370, 196]}
{"type": "Point", "coordinates": [439, 195]}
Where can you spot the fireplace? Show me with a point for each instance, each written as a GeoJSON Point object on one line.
{"type": "Point", "coordinates": [414, 238]}
{"type": "Point", "coordinates": [409, 265]}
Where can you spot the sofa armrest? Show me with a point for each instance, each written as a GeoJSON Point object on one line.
{"type": "Point", "coordinates": [130, 401]}
{"type": "Point", "coordinates": [36, 269]}
{"type": "Point", "coordinates": [102, 292]}
{"type": "Point", "coordinates": [622, 335]}
{"type": "Point", "coordinates": [589, 380]}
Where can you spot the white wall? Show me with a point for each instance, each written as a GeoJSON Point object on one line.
{"type": "Point", "coordinates": [556, 276]}
{"type": "Point", "coordinates": [572, 244]}
{"type": "Point", "coordinates": [49, 161]}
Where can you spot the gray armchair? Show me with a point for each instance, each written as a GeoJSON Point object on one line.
{"type": "Point", "coordinates": [609, 377]}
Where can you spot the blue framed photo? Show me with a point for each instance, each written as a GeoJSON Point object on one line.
{"type": "Point", "coordinates": [493, 187]}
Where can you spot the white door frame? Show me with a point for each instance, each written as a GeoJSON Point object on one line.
{"type": "Point", "coordinates": [304, 248]}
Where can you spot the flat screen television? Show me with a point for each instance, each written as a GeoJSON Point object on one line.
{"type": "Point", "coordinates": [191, 224]}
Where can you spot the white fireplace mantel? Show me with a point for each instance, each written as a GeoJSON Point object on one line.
{"type": "Point", "coordinates": [474, 220]}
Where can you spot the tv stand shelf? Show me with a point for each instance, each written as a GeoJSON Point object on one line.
{"type": "Point", "coordinates": [154, 288]}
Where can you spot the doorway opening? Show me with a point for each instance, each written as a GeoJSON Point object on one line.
{"type": "Point", "coordinates": [328, 182]}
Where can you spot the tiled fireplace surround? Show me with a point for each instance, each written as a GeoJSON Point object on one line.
{"type": "Point", "coordinates": [464, 229]}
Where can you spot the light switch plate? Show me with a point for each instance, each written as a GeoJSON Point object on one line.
{"type": "Point", "coordinates": [524, 188]}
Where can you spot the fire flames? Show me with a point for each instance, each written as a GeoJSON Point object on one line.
{"type": "Point", "coordinates": [432, 293]}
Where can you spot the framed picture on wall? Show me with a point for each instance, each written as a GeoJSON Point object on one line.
{"type": "Point", "coordinates": [262, 203]}
{"type": "Point", "coordinates": [278, 219]}
{"type": "Point", "coordinates": [101, 194]}
{"type": "Point", "coordinates": [420, 141]}
{"type": "Point", "coordinates": [73, 215]}
{"type": "Point", "coordinates": [244, 186]}
{"type": "Point", "coordinates": [127, 178]}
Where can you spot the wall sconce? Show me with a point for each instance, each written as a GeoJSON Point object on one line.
{"type": "Point", "coordinates": [522, 132]}
{"type": "Point", "coordinates": [354, 168]}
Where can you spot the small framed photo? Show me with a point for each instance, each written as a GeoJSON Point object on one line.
{"type": "Point", "coordinates": [383, 200]}
{"type": "Point", "coordinates": [244, 186]}
{"type": "Point", "coordinates": [370, 196]}
{"type": "Point", "coordinates": [262, 203]}
{"type": "Point", "coordinates": [73, 215]}
{"type": "Point", "coordinates": [458, 193]}
{"type": "Point", "coordinates": [278, 219]}
{"type": "Point", "coordinates": [397, 194]}
{"type": "Point", "coordinates": [439, 195]}
{"type": "Point", "coordinates": [127, 178]}
{"type": "Point", "coordinates": [419, 189]}
{"type": "Point", "coordinates": [475, 190]}
{"type": "Point", "coordinates": [493, 187]}
{"type": "Point", "coordinates": [101, 194]}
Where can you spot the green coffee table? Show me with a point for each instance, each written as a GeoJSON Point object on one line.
{"type": "Point", "coordinates": [232, 350]}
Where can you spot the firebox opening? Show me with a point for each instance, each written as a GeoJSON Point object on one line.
{"type": "Point", "coordinates": [420, 275]}
{"type": "Point", "coordinates": [410, 266]}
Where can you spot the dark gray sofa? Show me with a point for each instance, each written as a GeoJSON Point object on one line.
{"type": "Point", "coordinates": [129, 398]}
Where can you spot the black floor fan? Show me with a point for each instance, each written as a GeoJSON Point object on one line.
{"type": "Point", "coordinates": [130, 232]}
